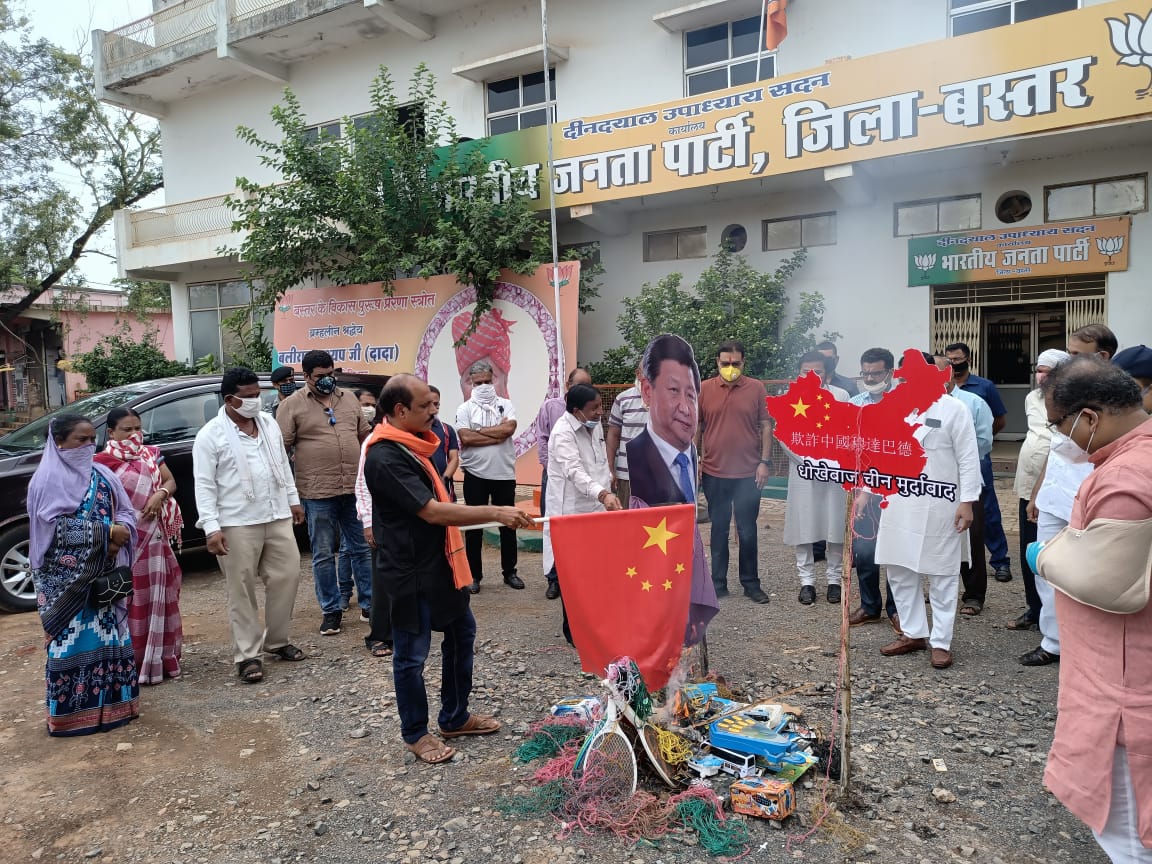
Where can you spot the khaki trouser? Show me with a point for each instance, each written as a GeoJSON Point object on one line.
{"type": "Point", "coordinates": [624, 492]}
{"type": "Point", "coordinates": [266, 553]}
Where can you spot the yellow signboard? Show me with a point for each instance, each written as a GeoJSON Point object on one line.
{"type": "Point", "coordinates": [1073, 69]}
{"type": "Point", "coordinates": [1094, 246]}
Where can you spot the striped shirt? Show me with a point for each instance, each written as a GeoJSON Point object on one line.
{"type": "Point", "coordinates": [630, 416]}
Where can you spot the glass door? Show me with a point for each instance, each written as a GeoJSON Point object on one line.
{"type": "Point", "coordinates": [1012, 341]}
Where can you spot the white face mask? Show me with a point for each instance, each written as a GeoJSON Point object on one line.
{"type": "Point", "coordinates": [485, 394]}
{"type": "Point", "coordinates": [248, 407]}
{"type": "Point", "coordinates": [369, 412]}
{"type": "Point", "coordinates": [876, 387]}
{"type": "Point", "coordinates": [1069, 450]}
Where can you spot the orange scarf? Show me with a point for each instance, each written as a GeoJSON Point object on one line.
{"type": "Point", "coordinates": [421, 449]}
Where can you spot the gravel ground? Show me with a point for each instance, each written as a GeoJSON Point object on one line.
{"type": "Point", "coordinates": [307, 766]}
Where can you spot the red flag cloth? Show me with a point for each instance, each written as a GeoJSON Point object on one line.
{"type": "Point", "coordinates": [626, 579]}
{"type": "Point", "coordinates": [775, 23]}
{"type": "Point", "coordinates": [876, 443]}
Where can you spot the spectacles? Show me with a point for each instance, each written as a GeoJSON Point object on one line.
{"type": "Point", "coordinates": [874, 376]}
{"type": "Point", "coordinates": [1054, 426]}
{"type": "Point", "coordinates": [331, 416]}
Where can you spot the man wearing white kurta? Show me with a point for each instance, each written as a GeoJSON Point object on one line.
{"type": "Point", "coordinates": [816, 511]}
{"type": "Point", "coordinates": [579, 477]}
{"type": "Point", "coordinates": [926, 537]}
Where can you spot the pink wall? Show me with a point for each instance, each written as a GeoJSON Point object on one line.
{"type": "Point", "coordinates": [83, 330]}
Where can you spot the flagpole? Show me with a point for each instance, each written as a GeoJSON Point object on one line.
{"type": "Point", "coordinates": [541, 521]}
{"type": "Point", "coordinates": [550, 179]}
{"type": "Point", "coordinates": [845, 629]}
{"type": "Point", "coordinates": [760, 39]}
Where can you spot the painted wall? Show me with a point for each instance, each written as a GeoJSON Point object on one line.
{"type": "Point", "coordinates": [82, 331]}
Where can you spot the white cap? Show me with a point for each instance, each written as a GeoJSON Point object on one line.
{"type": "Point", "coordinates": [1052, 357]}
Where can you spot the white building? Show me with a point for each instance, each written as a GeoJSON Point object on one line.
{"type": "Point", "coordinates": [1020, 123]}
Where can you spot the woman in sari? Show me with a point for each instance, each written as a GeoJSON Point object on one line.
{"type": "Point", "coordinates": [82, 524]}
{"type": "Point", "coordinates": [154, 612]}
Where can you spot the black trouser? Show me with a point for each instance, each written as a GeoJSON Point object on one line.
{"type": "Point", "coordinates": [502, 493]}
{"type": "Point", "coordinates": [1028, 535]}
{"type": "Point", "coordinates": [380, 618]}
{"type": "Point", "coordinates": [975, 575]}
{"type": "Point", "coordinates": [728, 497]}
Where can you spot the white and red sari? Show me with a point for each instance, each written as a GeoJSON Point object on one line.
{"type": "Point", "coordinates": [154, 613]}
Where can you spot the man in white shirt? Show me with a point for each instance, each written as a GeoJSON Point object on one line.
{"type": "Point", "coordinates": [247, 500]}
{"type": "Point", "coordinates": [485, 425]}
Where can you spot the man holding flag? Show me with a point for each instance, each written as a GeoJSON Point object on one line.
{"type": "Point", "coordinates": [423, 566]}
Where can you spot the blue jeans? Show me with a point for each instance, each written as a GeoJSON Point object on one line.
{"type": "Point", "coordinates": [728, 497]}
{"type": "Point", "coordinates": [410, 652]}
{"type": "Point", "coordinates": [864, 557]}
{"type": "Point", "coordinates": [331, 520]}
{"type": "Point", "coordinates": [994, 537]}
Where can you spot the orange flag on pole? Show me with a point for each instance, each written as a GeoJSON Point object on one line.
{"type": "Point", "coordinates": [626, 579]}
{"type": "Point", "coordinates": [775, 23]}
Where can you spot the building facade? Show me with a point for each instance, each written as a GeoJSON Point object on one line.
{"type": "Point", "coordinates": [1012, 134]}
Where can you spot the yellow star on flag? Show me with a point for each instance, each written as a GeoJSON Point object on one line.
{"type": "Point", "coordinates": [800, 408]}
{"type": "Point", "coordinates": [646, 585]}
{"type": "Point", "coordinates": [819, 398]}
{"type": "Point", "coordinates": [667, 584]}
{"type": "Point", "coordinates": [827, 417]}
{"type": "Point", "coordinates": [659, 536]}
{"type": "Point", "coordinates": [679, 568]}
{"type": "Point", "coordinates": [819, 425]}
{"type": "Point", "coordinates": [630, 572]}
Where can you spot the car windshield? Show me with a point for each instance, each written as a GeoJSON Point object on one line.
{"type": "Point", "coordinates": [30, 437]}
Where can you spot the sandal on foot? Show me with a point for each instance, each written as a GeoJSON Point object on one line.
{"type": "Point", "coordinates": [250, 671]}
{"type": "Point", "coordinates": [971, 606]}
{"type": "Point", "coordinates": [380, 649]}
{"type": "Point", "coordinates": [476, 725]}
{"type": "Point", "coordinates": [431, 750]}
{"type": "Point", "coordinates": [286, 652]}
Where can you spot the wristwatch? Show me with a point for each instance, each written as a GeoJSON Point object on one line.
{"type": "Point", "coordinates": [767, 462]}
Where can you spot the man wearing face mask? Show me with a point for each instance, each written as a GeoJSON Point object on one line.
{"type": "Point", "coordinates": [876, 365]}
{"type": "Point", "coordinates": [485, 425]}
{"type": "Point", "coordinates": [960, 356]}
{"type": "Point", "coordinates": [284, 380]}
{"type": "Point", "coordinates": [551, 411]}
{"type": "Point", "coordinates": [626, 420]}
{"type": "Point", "coordinates": [835, 379]}
{"type": "Point", "coordinates": [325, 425]}
{"type": "Point", "coordinates": [735, 442]}
{"type": "Point", "coordinates": [1029, 466]}
{"type": "Point", "coordinates": [247, 502]}
{"type": "Point", "coordinates": [1137, 362]}
{"type": "Point", "coordinates": [1095, 339]}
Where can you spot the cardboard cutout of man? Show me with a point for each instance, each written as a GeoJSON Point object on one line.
{"type": "Point", "coordinates": [662, 460]}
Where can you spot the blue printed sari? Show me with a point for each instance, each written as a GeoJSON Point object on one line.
{"type": "Point", "coordinates": [91, 672]}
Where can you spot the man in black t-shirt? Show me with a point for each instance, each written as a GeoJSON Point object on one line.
{"type": "Point", "coordinates": [410, 522]}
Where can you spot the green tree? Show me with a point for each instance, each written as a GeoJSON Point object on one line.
{"type": "Point", "coordinates": [49, 116]}
{"type": "Point", "coordinates": [730, 300]}
{"type": "Point", "coordinates": [382, 201]}
{"type": "Point", "coordinates": [145, 296]}
{"type": "Point", "coordinates": [121, 358]}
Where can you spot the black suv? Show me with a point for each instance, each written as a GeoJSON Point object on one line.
{"type": "Point", "coordinates": [171, 410]}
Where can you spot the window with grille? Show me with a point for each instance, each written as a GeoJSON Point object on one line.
{"type": "Point", "coordinates": [725, 55]}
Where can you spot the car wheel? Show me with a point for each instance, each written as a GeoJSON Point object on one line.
{"type": "Point", "coordinates": [17, 593]}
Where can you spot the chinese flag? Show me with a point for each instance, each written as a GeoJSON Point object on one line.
{"type": "Point", "coordinates": [775, 23]}
{"type": "Point", "coordinates": [626, 578]}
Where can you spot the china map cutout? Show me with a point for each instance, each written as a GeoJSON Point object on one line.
{"type": "Point", "coordinates": [869, 447]}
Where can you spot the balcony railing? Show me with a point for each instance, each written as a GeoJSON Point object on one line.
{"type": "Point", "coordinates": [172, 26]}
{"type": "Point", "coordinates": [184, 221]}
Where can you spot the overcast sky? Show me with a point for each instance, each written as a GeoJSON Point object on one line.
{"type": "Point", "coordinates": [69, 23]}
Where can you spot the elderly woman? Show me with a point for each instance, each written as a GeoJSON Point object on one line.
{"type": "Point", "coordinates": [579, 478]}
{"type": "Point", "coordinates": [82, 525]}
{"type": "Point", "coordinates": [154, 614]}
{"type": "Point", "coordinates": [1100, 764]}
{"type": "Point", "coordinates": [1029, 467]}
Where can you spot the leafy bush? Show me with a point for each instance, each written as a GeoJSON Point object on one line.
{"type": "Point", "coordinates": [730, 300]}
{"type": "Point", "coordinates": [122, 358]}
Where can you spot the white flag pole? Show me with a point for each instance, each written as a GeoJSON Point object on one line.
{"type": "Point", "coordinates": [760, 40]}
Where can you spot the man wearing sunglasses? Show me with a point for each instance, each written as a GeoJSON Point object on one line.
{"type": "Point", "coordinates": [325, 425]}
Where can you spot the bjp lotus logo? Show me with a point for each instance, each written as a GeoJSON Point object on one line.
{"type": "Point", "coordinates": [1109, 246]}
{"type": "Point", "coordinates": [924, 263]}
{"type": "Point", "coordinates": [1132, 41]}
